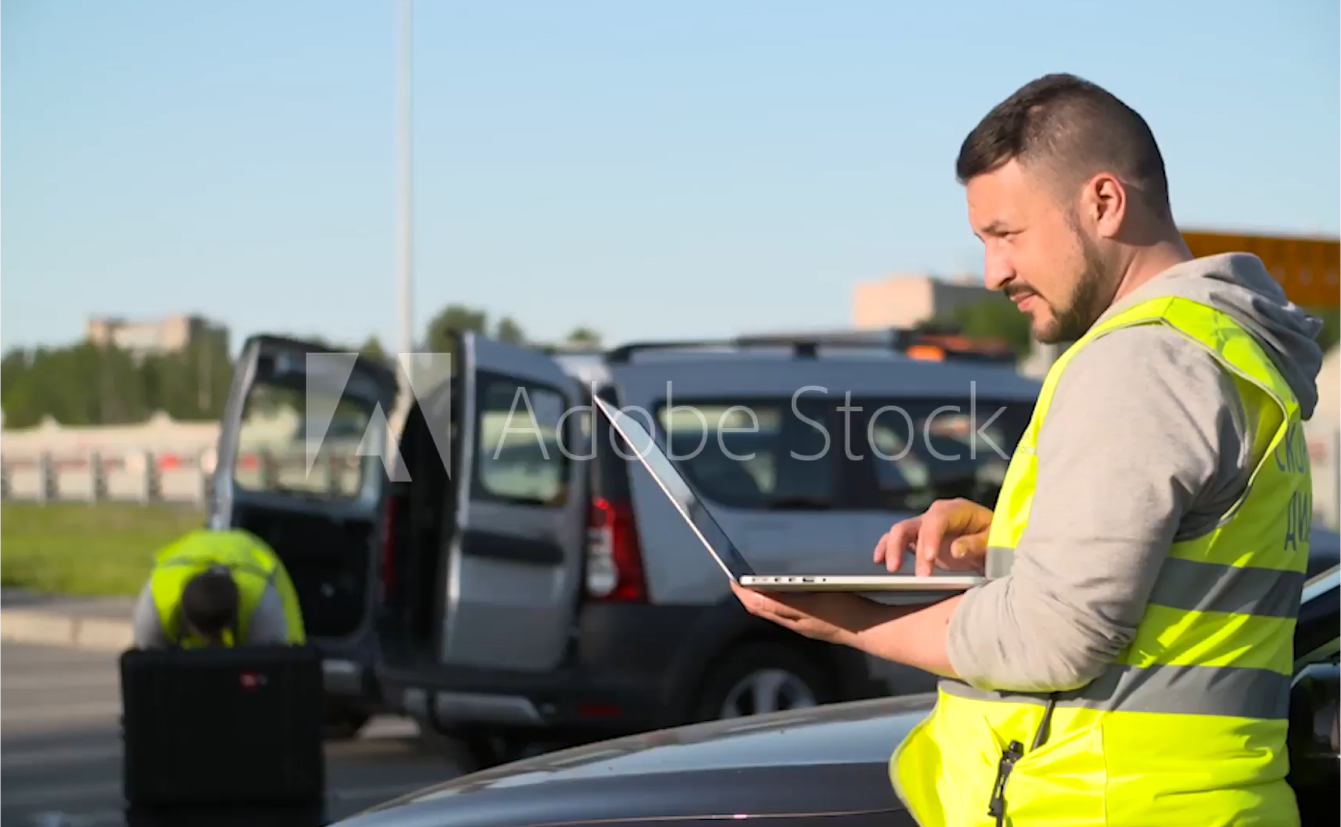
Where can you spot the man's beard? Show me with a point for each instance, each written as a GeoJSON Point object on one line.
{"type": "Point", "coordinates": [1070, 323]}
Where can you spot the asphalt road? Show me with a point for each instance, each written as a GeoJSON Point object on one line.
{"type": "Point", "coordinates": [61, 751]}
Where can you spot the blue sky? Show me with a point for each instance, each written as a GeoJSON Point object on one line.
{"type": "Point", "coordinates": [238, 159]}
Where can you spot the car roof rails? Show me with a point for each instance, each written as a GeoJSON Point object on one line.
{"type": "Point", "coordinates": [571, 350]}
{"type": "Point", "coordinates": [624, 353]}
{"type": "Point", "coordinates": [913, 343]}
{"type": "Point", "coordinates": [895, 339]}
{"type": "Point", "coordinates": [929, 344]}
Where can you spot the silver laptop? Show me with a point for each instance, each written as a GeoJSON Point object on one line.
{"type": "Point", "coordinates": [691, 507]}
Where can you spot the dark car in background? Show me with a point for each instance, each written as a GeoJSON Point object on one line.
{"type": "Point", "coordinates": [534, 597]}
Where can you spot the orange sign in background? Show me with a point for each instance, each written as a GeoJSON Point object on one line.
{"type": "Point", "coordinates": [1308, 268]}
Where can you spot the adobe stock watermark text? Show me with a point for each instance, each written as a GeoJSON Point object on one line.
{"type": "Point", "coordinates": [526, 421]}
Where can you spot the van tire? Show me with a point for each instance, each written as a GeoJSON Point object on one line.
{"type": "Point", "coordinates": [471, 751]}
{"type": "Point", "coordinates": [345, 724]}
{"type": "Point", "coordinates": [481, 751]}
{"type": "Point", "coordinates": [796, 667]}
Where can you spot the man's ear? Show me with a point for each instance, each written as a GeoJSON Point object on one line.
{"type": "Point", "coordinates": [1104, 204]}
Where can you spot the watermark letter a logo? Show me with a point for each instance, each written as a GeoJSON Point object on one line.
{"type": "Point", "coordinates": [328, 380]}
{"type": "Point", "coordinates": [331, 380]}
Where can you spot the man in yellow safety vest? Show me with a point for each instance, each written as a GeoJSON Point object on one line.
{"type": "Point", "coordinates": [217, 588]}
{"type": "Point", "coordinates": [1128, 661]}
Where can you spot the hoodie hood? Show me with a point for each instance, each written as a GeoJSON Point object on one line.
{"type": "Point", "coordinates": [1240, 285]}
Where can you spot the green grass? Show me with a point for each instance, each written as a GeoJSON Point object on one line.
{"type": "Point", "coordinates": [70, 548]}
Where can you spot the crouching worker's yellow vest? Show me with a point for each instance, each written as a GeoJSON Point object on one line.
{"type": "Point", "coordinates": [253, 565]}
{"type": "Point", "coordinates": [1188, 726]}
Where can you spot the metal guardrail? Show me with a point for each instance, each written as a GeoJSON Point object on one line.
{"type": "Point", "coordinates": [168, 476]}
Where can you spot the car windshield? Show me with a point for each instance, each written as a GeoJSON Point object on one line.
{"type": "Point", "coordinates": [1318, 632]}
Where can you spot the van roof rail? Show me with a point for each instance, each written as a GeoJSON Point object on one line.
{"type": "Point", "coordinates": [625, 352]}
{"type": "Point", "coordinates": [910, 342]}
{"type": "Point", "coordinates": [571, 350]}
{"type": "Point", "coordinates": [893, 338]}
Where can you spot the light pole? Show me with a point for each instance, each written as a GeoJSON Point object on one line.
{"type": "Point", "coordinates": [404, 230]}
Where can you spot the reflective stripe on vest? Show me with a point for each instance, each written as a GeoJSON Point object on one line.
{"type": "Point", "coordinates": [252, 566]}
{"type": "Point", "coordinates": [1189, 725]}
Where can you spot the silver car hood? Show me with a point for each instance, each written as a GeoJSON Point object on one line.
{"type": "Point", "coordinates": [855, 740]}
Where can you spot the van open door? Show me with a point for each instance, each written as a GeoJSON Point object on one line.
{"type": "Point", "coordinates": [514, 559]}
{"type": "Point", "coordinates": [320, 509]}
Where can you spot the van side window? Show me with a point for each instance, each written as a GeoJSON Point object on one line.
{"type": "Point", "coordinates": [927, 450]}
{"type": "Point", "coordinates": [521, 457]}
{"type": "Point", "coordinates": [754, 454]}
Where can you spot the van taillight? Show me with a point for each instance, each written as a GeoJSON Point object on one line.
{"type": "Point", "coordinates": [389, 550]}
{"type": "Point", "coordinates": [614, 561]}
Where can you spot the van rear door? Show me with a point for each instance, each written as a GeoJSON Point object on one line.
{"type": "Point", "coordinates": [514, 562]}
{"type": "Point", "coordinates": [299, 464]}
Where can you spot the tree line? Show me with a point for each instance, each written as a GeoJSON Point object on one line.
{"type": "Point", "coordinates": [88, 384]}
{"type": "Point", "coordinates": [85, 384]}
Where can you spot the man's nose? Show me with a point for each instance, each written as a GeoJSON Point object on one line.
{"type": "Point", "coordinates": [997, 271]}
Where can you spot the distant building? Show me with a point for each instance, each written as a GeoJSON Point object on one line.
{"type": "Point", "coordinates": [142, 338]}
{"type": "Point", "coordinates": [906, 300]}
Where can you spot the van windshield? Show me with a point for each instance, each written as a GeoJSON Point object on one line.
{"type": "Point", "coordinates": [281, 450]}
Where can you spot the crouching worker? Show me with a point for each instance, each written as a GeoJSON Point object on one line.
{"type": "Point", "coordinates": [217, 588]}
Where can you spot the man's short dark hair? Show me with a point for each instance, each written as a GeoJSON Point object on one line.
{"type": "Point", "coordinates": [1074, 128]}
{"type": "Point", "coordinates": [210, 602]}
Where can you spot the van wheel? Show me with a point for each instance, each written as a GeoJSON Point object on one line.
{"type": "Point", "coordinates": [481, 751]}
{"type": "Point", "coordinates": [472, 751]}
{"type": "Point", "coordinates": [345, 724]}
{"type": "Point", "coordinates": [759, 678]}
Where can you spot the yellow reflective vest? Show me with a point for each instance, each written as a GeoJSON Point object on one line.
{"type": "Point", "coordinates": [1188, 726]}
{"type": "Point", "coordinates": [253, 565]}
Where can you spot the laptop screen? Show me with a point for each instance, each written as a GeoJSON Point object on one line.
{"type": "Point", "coordinates": [642, 445]}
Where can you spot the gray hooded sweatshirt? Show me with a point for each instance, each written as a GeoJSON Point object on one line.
{"type": "Point", "coordinates": [1146, 443]}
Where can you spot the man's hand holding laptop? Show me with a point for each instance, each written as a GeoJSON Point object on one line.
{"type": "Point", "coordinates": [833, 617]}
{"type": "Point", "coordinates": [951, 534]}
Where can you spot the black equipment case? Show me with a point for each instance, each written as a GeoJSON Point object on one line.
{"type": "Point", "coordinates": [223, 736]}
